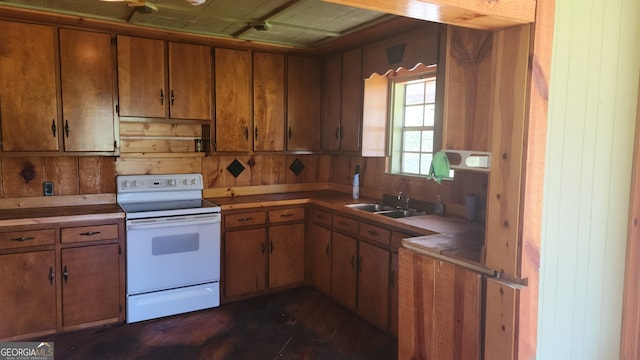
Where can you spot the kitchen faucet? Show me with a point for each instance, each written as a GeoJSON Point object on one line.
{"type": "Point", "coordinates": [403, 202]}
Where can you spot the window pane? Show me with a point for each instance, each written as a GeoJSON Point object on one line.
{"type": "Point", "coordinates": [411, 141]}
{"type": "Point", "coordinates": [411, 163]}
{"type": "Point", "coordinates": [427, 141]}
{"type": "Point", "coordinates": [413, 115]}
{"type": "Point", "coordinates": [431, 91]}
{"type": "Point", "coordinates": [429, 115]}
{"type": "Point", "coordinates": [414, 94]}
{"type": "Point", "coordinates": [425, 163]}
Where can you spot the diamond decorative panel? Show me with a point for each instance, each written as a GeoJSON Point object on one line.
{"type": "Point", "coordinates": [235, 168]}
{"type": "Point", "coordinates": [296, 167]}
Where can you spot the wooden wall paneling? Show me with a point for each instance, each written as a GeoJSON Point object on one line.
{"type": "Point", "coordinates": [351, 106]}
{"type": "Point", "coordinates": [331, 102]}
{"type": "Point", "coordinates": [511, 61]}
{"type": "Point", "coordinates": [13, 184]}
{"type": "Point", "coordinates": [417, 46]}
{"type": "Point", "coordinates": [630, 344]}
{"type": "Point", "coordinates": [467, 91]}
{"type": "Point", "coordinates": [63, 172]}
{"type": "Point", "coordinates": [158, 165]}
{"type": "Point", "coordinates": [97, 174]}
{"type": "Point", "coordinates": [274, 170]}
{"type": "Point", "coordinates": [304, 103]}
{"type": "Point", "coordinates": [213, 171]}
{"type": "Point", "coordinates": [500, 321]}
{"type": "Point", "coordinates": [149, 137]}
{"type": "Point", "coordinates": [536, 141]}
{"type": "Point", "coordinates": [244, 179]}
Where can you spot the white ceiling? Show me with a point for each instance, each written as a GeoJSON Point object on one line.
{"type": "Point", "coordinates": [298, 23]}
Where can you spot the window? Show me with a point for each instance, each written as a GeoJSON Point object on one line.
{"type": "Point", "coordinates": [414, 128]}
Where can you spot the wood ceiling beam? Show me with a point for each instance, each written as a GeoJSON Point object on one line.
{"type": "Point", "coordinates": [475, 14]}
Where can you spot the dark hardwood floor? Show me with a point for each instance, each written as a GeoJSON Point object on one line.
{"type": "Point", "coordinates": [296, 324]}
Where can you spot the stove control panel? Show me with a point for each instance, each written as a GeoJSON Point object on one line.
{"type": "Point", "coordinates": [138, 183]}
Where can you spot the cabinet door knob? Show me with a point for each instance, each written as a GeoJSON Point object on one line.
{"type": "Point", "coordinates": [392, 278]}
{"type": "Point", "coordinates": [161, 97]}
{"type": "Point", "coordinates": [246, 133]}
{"type": "Point", "coordinates": [290, 132]}
{"type": "Point", "coordinates": [53, 127]}
{"type": "Point", "coordinates": [353, 262]}
{"type": "Point", "coordinates": [338, 133]}
{"type": "Point", "coordinates": [256, 134]}
{"type": "Point", "coordinates": [172, 97]}
{"type": "Point", "coordinates": [23, 238]}
{"type": "Point", "coordinates": [66, 127]}
{"type": "Point", "coordinates": [270, 247]}
{"type": "Point", "coordinates": [65, 274]}
{"type": "Point", "coordinates": [328, 250]}
{"type": "Point", "coordinates": [51, 276]}
{"type": "Point", "coordinates": [262, 248]}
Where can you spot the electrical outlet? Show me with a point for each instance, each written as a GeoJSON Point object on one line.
{"type": "Point", "coordinates": [47, 188]}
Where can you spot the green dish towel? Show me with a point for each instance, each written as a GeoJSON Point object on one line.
{"type": "Point", "coordinates": [439, 168]}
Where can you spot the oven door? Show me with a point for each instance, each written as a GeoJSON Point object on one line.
{"type": "Point", "coordinates": [171, 252]}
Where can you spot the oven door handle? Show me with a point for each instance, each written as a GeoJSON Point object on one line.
{"type": "Point", "coordinates": [143, 224]}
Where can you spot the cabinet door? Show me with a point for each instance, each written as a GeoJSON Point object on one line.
{"type": "Point", "coordinates": [28, 301]}
{"type": "Point", "coordinates": [244, 262]}
{"type": "Point", "coordinates": [352, 95]}
{"type": "Point", "coordinates": [320, 249]}
{"type": "Point", "coordinates": [28, 102]}
{"type": "Point", "coordinates": [90, 284]}
{"type": "Point", "coordinates": [373, 284]}
{"type": "Point", "coordinates": [268, 102]}
{"type": "Point", "coordinates": [286, 255]}
{"type": "Point", "coordinates": [343, 269]}
{"type": "Point", "coordinates": [331, 97]}
{"type": "Point", "coordinates": [141, 77]}
{"type": "Point", "coordinates": [233, 99]}
{"type": "Point", "coordinates": [189, 81]}
{"type": "Point", "coordinates": [87, 67]}
{"type": "Point", "coordinates": [304, 97]}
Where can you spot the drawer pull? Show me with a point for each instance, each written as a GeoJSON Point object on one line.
{"type": "Point", "coordinates": [90, 233]}
{"type": "Point", "coordinates": [245, 219]}
{"type": "Point", "coordinates": [373, 232]}
{"type": "Point", "coordinates": [286, 215]}
{"type": "Point", "coordinates": [327, 250]}
{"type": "Point", "coordinates": [24, 238]}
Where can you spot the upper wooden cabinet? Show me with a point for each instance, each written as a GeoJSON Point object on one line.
{"type": "Point", "coordinates": [144, 89]}
{"type": "Point", "coordinates": [189, 81]}
{"type": "Point", "coordinates": [268, 101]}
{"type": "Point", "coordinates": [304, 98]}
{"type": "Point", "coordinates": [87, 69]}
{"type": "Point", "coordinates": [343, 95]}
{"type": "Point", "coordinates": [234, 130]}
{"type": "Point", "coordinates": [28, 100]}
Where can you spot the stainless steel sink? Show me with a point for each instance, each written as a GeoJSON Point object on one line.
{"type": "Point", "coordinates": [371, 207]}
{"type": "Point", "coordinates": [386, 210]}
{"type": "Point", "coordinates": [397, 214]}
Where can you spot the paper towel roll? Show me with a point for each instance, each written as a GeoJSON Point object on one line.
{"type": "Point", "coordinates": [470, 207]}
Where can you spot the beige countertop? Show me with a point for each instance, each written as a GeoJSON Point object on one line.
{"type": "Point", "coordinates": [48, 215]}
{"type": "Point", "coordinates": [448, 238]}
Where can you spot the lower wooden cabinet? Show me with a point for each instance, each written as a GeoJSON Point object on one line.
{"type": "Point", "coordinates": [28, 288]}
{"type": "Point", "coordinates": [244, 262]}
{"type": "Point", "coordinates": [62, 277]}
{"type": "Point", "coordinates": [263, 250]}
{"type": "Point", "coordinates": [320, 258]}
{"type": "Point", "coordinates": [344, 252]}
{"type": "Point", "coordinates": [373, 284]}
{"type": "Point", "coordinates": [440, 307]}
{"type": "Point", "coordinates": [90, 291]}
{"type": "Point", "coordinates": [286, 255]}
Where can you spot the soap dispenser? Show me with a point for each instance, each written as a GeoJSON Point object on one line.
{"type": "Point", "coordinates": [356, 183]}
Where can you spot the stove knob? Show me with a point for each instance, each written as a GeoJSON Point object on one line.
{"type": "Point", "coordinates": [184, 182]}
{"type": "Point", "coordinates": [125, 184]}
{"type": "Point", "coordinates": [172, 182]}
{"type": "Point", "coordinates": [193, 181]}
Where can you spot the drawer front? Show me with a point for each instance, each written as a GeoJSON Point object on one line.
{"type": "Point", "coordinates": [26, 238]}
{"type": "Point", "coordinates": [375, 233]}
{"type": "Point", "coordinates": [345, 224]}
{"type": "Point", "coordinates": [244, 219]}
{"type": "Point", "coordinates": [89, 233]}
{"type": "Point", "coordinates": [321, 217]}
{"type": "Point", "coordinates": [285, 215]}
